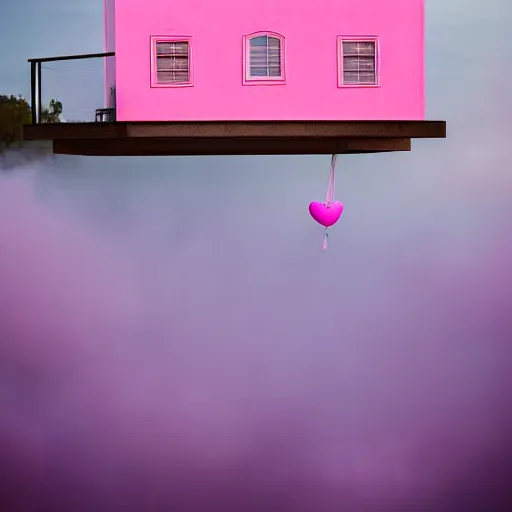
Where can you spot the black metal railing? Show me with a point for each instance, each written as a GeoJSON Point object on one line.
{"type": "Point", "coordinates": [36, 103]}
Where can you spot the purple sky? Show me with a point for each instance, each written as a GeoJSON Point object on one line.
{"type": "Point", "coordinates": [173, 339]}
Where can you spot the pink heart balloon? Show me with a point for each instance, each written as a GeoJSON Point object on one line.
{"type": "Point", "coordinates": [326, 214]}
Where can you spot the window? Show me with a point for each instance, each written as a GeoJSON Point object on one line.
{"type": "Point", "coordinates": [358, 62]}
{"type": "Point", "coordinates": [264, 58]}
{"type": "Point", "coordinates": [171, 62]}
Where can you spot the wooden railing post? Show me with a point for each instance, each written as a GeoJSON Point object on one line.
{"type": "Point", "coordinates": [33, 92]}
{"type": "Point", "coordinates": [39, 94]}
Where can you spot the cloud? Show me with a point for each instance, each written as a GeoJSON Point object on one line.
{"type": "Point", "coordinates": [172, 338]}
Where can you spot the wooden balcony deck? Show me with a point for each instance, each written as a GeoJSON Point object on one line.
{"type": "Point", "coordinates": [232, 137]}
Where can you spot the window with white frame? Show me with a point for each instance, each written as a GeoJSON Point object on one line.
{"type": "Point", "coordinates": [172, 62]}
{"type": "Point", "coordinates": [264, 57]}
{"type": "Point", "coordinates": [359, 62]}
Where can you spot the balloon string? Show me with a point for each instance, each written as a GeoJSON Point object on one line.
{"type": "Point", "coordinates": [329, 198]}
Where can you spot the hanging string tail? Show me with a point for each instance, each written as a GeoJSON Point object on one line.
{"type": "Point", "coordinates": [326, 236]}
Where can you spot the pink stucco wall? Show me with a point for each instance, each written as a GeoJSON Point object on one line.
{"type": "Point", "coordinates": [310, 27]}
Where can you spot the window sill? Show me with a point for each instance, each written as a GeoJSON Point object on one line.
{"type": "Point", "coordinates": [265, 81]}
{"type": "Point", "coordinates": [358, 86]}
{"type": "Point", "coordinates": [171, 86]}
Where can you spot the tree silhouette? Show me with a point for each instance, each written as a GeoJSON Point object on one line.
{"type": "Point", "coordinates": [52, 113]}
{"type": "Point", "coordinates": [15, 112]}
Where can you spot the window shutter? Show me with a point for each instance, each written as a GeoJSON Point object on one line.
{"type": "Point", "coordinates": [172, 61]}
{"type": "Point", "coordinates": [265, 56]}
{"type": "Point", "coordinates": [359, 59]}
{"type": "Point", "coordinates": [274, 56]}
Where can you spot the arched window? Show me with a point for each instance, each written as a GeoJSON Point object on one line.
{"type": "Point", "coordinates": [264, 58]}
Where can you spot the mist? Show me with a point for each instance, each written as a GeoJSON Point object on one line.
{"type": "Point", "coordinates": [173, 338]}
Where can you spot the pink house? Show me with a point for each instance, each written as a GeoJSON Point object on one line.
{"type": "Point", "coordinates": [267, 60]}
{"type": "Point", "coordinates": [272, 77]}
